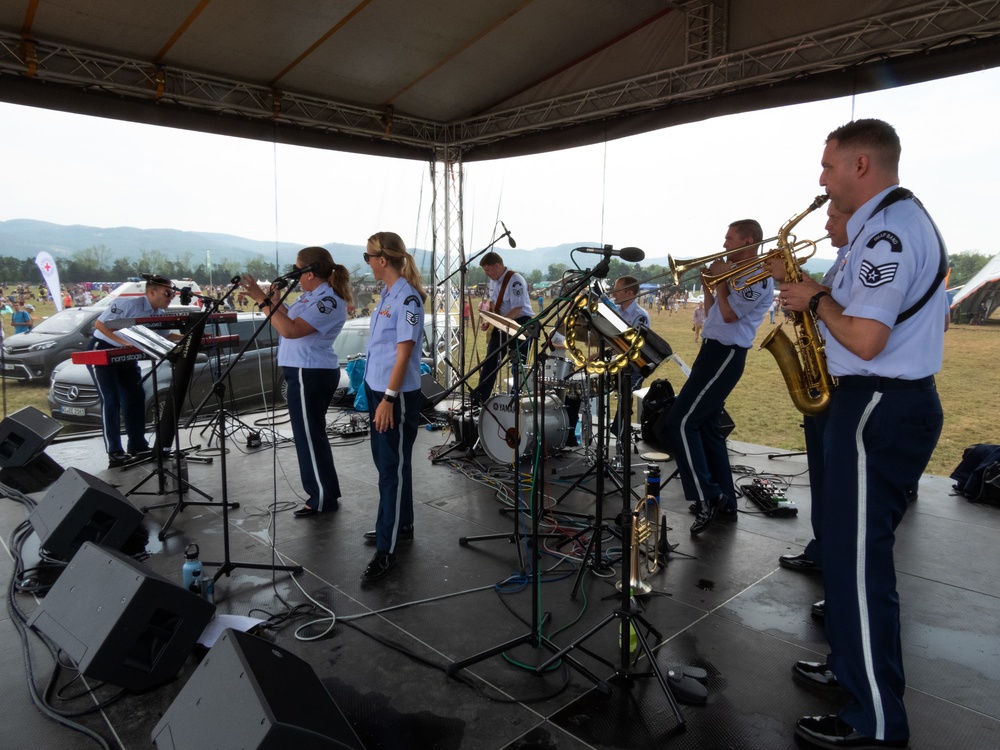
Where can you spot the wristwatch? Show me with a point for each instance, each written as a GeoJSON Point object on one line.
{"type": "Point", "coordinates": [390, 396]}
{"type": "Point", "coordinates": [814, 301]}
{"type": "Point", "coordinates": [266, 302]}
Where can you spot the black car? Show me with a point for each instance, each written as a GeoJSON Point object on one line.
{"type": "Point", "coordinates": [254, 382]}
{"type": "Point", "coordinates": [33, 355]}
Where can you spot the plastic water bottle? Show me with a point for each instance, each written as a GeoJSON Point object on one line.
{"type": "Point", "coordinates": [192, 569]}
{"type": "Point", "coordinates": [633, 635]}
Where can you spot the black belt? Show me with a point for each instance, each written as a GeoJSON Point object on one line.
{"type": "Point", "coordinates": [876, 383]}
{"type": "Point", "coordinates": [726, 346]}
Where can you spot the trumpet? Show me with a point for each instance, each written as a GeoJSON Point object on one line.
{"type": "Point", "coordinates": [748, 272]}
{"type": "Point", "coordinates": [645, 539]}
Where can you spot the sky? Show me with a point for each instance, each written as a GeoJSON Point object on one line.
{"type": "Point", "coordinates": [673, 191]}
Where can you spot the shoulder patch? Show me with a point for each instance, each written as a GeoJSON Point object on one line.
{"type": "Point", "coordinates": [749, 293]}
{"type": "Point", "coordinates": [412, 318]}
{"type": "Point", "coordinates": [895, 244]}
{"type": "Point", "coordinates": [412, 298]}
{"type": "Point", "coordinates": [873, 276]}
{"type": "Point", "coordinates": [326, 304]}
{"type": "Point", "coordinates": [516, 288]}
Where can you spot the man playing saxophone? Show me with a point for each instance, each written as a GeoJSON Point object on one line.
{"type": "Point", "coordinates": [693, 423]}
{"type": "Point", "coordinates": [883, 314]}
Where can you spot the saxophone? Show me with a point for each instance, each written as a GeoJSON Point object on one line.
{"type": "Point", "coordinates": [802, 362]}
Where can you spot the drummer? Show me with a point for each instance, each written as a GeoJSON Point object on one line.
{"type": "Point", "coordinates": [624, 293]}
{"type": "Point", "coordinates": [508, 297]}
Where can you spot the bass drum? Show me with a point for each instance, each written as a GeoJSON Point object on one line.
{"type": "Point", "coordinates": [498, 432]}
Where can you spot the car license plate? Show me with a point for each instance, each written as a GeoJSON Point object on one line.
{"type": "Point", "coordinates": [8, 367]}
{"type": "Point", "coordinates": [73, 411]}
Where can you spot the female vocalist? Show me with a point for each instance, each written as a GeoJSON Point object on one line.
{"type": "Point", "coordinates": [392, 385]}
{"type": "Point", "coordinates": [305, 351]}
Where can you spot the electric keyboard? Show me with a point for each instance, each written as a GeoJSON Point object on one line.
{"type": "Point", "coordinates": [103, 357]}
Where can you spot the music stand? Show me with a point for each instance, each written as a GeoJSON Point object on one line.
{"type": "Point", "coordinates": [158, 349]}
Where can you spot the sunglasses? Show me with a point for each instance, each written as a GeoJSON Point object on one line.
{"type": "Point", "coordinates": [368, 257]}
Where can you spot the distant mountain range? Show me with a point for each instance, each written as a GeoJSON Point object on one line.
{"type": "Point", "coordinates": [25, 238]}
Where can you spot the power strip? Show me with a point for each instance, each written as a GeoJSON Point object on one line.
{"type": "Point", "coordinates": [772, 501]}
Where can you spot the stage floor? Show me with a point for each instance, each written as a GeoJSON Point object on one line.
{"type": "Point", "coordinates": [721, 603]}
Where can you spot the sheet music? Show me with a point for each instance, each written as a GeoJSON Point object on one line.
{"type": "Point", "coordinates": [147, 341]}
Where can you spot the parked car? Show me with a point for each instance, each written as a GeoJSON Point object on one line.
{"type": "Point", "coordinates": [33, 355]}
{"type": "Point", "coordinates": [254, 382]}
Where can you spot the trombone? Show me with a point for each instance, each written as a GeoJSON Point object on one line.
{"type": "Point", "coordinates": [746, 273]}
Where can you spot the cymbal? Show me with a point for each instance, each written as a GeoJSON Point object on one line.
{"type": "Point", "coordinates": [506, 325]}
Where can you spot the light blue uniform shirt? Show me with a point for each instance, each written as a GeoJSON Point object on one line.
{"type": "Point", "coordinates": [324, 310]}
{"type": "Point", "coordinates": [750, 304]}
{"type": "Point", "coordinates": [634, 315]}
{"type": "Point", "coordinates": [893, 259]}
{"type": "Point", "coordinates": [516, 302]}
{"type": "Point", "coordinates": [127, 307]}
{"type": "Point", "coordinates": [399, 318]}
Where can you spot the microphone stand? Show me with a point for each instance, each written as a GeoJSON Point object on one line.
{"type": "Point", "coordinates": [227, 565]}
{"type": "Point", "coordinates": [463, 377]}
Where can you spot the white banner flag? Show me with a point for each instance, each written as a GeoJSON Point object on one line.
{"type": "Point", "coordinates": [47, 265]}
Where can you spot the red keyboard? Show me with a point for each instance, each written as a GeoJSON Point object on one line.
{"type": "Point", "coordinates": [102, 357]}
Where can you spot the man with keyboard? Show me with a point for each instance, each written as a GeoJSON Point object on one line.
{"type": "Point", "coordinates": [119, 385]}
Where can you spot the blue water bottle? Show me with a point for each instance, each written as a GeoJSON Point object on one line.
{"type": "Point", "coordinates": [192, 569]}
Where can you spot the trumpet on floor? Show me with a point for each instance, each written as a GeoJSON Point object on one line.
{"type": "Point", "coordinates": [750, 271]}
{"type": "Point", "coordinates": [645, 540]}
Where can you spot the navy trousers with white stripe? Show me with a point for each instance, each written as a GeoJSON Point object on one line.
{"type": "Point", "coordinates": [876, 445]}
{"type": "Point", "coordinates": [392, 452]}
{"type": "Point", "coordinates": [119, 388]}
{"type": "Point", "coordinates": [310, 391]}
{"type": "Point", "coordinates": [693, 424]}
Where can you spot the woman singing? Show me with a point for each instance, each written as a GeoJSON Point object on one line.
{"type": "Point", "coordinates": [305, 351]}
{"type": "Point", "coordinates": [392, 385]}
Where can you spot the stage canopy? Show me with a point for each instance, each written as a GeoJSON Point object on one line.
{"type": "Point", "coordinates": [475, 79]}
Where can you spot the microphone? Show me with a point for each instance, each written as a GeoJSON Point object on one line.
{"type": "Point", "coordinates": [294, 274]}
{"type": "Point", "coordinates": [509, 238]}
{"type": "Point", "coordinates": [628, 254]}
{"type": "Point", "coordinates": [186, 295]}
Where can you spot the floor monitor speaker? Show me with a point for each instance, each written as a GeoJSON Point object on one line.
{"type": "Point", "coordinates": [35, 476]}
{"type": "Point", "coordinates": [24, 434]}
{"type": "Point", "coordinates": [248, 693]}
{"type": "Point", "coordinates": [119, 621]}
{"type": "Point", "coordinates": [80, 508]}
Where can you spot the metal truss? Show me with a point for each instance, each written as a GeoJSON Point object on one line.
{"type": "Point", "coordinates": [62, 64]}
{"type": "Point", "coordinates": [447, 255]}
{"type": "Point", "coordinates": [711, 69]}
{"type": "Point", "coordinates": [904, 31]}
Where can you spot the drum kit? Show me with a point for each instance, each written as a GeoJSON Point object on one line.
{"type": "Point", "coordinates": [502, 417]}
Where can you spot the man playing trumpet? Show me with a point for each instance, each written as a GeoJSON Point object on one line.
{"type": "Point", "coordinates": [693, 424]}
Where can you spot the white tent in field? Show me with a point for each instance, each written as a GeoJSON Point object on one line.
{"type": "Point", "coordinates": [981, 289]}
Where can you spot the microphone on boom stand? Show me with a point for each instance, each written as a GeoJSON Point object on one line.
{"type": "Point", "coordinates": [510, 239]}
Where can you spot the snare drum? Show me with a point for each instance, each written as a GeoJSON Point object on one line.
{"type": "Point", "coordinates": [558, 369]}
{"type": "Point", "coordinates": [498, 432]}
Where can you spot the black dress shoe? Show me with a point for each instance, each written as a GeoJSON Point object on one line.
{"type": "Point", "coordinates": [815, 674]}
{"type": "Point", "coordinates": [705, 517]}
{"type": "Point", "coordinates": [831, 732]}
{"type": "Point", "coordinates": [117, 459]}
{"type": "Point", "coordinates": [799, 562]}
{"type": "Point", "coordinates": [818, 610]}
{"type": "Point", "coordinates": [405, 534]}
{"type": "Point", "coordinates": [380, 565]}
{"type": "Point", "coordinates": [305, 511]}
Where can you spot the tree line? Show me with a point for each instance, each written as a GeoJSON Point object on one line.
{"type": "Point", "coordinates": [99, 263]}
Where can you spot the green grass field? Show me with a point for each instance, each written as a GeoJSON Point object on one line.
{"type": "Point", "coordinates": [760, 406]}
{"type": "Point", "coordinates": [762, 409]}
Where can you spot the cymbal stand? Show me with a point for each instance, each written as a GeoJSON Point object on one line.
{"type": "Point", "coordinates": [626, 614]}
{"type": "Point", "coordinates": [227, 565]}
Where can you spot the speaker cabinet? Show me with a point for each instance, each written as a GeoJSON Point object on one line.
{"type": "Point", "coordinates": [35, 476]}
{"type": "Point", "coordinates": [24, 434]}
{"type": "Point", "coordinates": [81, 508]}
{"type": "Point", "coordinates": [248, 694]}
{"type": "Point", "coordinates": [119, 621]}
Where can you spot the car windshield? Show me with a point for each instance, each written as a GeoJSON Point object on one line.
{"type": "Point", "coordinates": [63, 322]}
{"type": "Point", "coordinates": [351, 341]}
